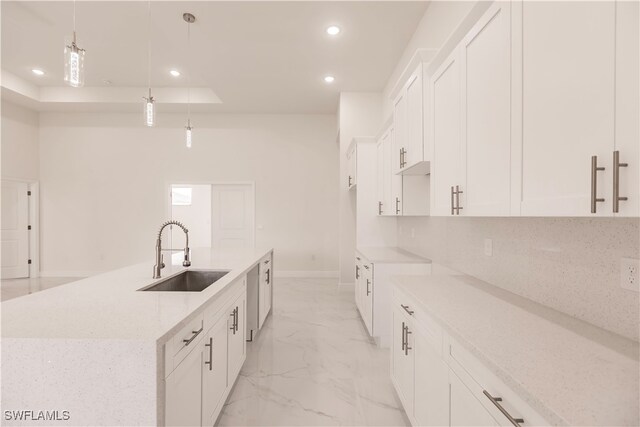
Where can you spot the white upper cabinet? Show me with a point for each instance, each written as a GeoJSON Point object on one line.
{"type": "Point", "coordinates": [568, 91]}
{"type": "Point", "coordinates": [389, 185]}
{"type": "Point", "coordinates": [486, 115]}
{"type": "Point", "coordinates": [446, 145]}
{"type": "Point", "coordinates": [627, 131]}
{"type": "Point", "coordinates": [400, 132]}
{"type": "Point", "coordinates": [351, 166]}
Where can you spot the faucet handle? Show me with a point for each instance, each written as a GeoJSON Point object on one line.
{"type": "Point", "coordinates": [161, 260]}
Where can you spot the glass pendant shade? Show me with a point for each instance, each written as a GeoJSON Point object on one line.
{"type": "Point", "coordinates": [188, 135]}
{"type": "Point", "coordinates": [73, 63]}
{"type": "Point", "coordinates": [149, 111]}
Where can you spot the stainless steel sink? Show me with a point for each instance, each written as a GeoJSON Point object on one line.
{"type": "Point", "coordinates": [187, 281]}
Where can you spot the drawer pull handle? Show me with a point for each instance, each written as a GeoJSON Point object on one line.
{"type": "Point", "coordinates": [515, 421]}
{"type": "Point", "coordinates": [366, 266]}
{"type": "Point", "coordinates": [406, 341]}
{"type": "Point", "coordinates": [195, 334]}
{"type": "Point", "coordinates": [368, 283]}
{"type": "Point", "coordinates": [210, 345]}
{"type": "Point", "coordinates": [406, 308]}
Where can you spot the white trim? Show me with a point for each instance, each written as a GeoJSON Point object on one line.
{"type": "Point", "coordinates": [307, 273]}
{"type": "Point", "coordinates": [71, 273]}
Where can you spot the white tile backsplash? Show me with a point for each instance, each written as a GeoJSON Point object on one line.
{"type": "Point", "coordinates": [569, 264]}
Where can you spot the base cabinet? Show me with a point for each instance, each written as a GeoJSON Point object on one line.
{"type": "Point", "coordinates": [195, 391]}
{"type": "Point", "coordinates": [265, 289]}
{"type": "Point", "coordinates": [439, 382]}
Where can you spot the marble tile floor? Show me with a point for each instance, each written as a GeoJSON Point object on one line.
{"type": "Point", "coordinates": [14, 288]}
{"type": "Point", "coordinates": [313, 364]}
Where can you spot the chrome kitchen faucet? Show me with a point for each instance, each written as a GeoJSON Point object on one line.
{"type": "Point", "coordinates": [160, 258]}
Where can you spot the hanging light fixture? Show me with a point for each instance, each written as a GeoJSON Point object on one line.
{"type": "Point", "coordinates": [73, 59]}
{"type": "Point", "coordinates": [149, 102]}
{"type": "Point", "coordinates": [189, 19]}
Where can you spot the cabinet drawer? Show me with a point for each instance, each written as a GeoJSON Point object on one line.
{"type": "Point", "coordinates": [480, 381]}
{"type": "Point", "coordinates": [431, 329]}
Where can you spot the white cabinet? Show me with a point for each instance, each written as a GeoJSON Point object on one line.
{"type": "Point", "coordinates": [446, 139]}
{"type": "Point", "coordinates": [431, 384]}
{"type": "Point", "coordinates": [399, 142]}
{"type": "Point", "coordinates": [236, 338]}
{"type": "Point", "coordinates": [389, 185]}
{"type": "Point", "coordinates": [208, 363]}
{"type": "Point", "coordinates": [214, 375]}
{"type": "Point", "coordinates": [485, 64]}
{"type": "Point", "coordinates": [574, 108]}
{"type": "Point", "coordinates": [402, 357]}
{"type": "Point", "coordinates": [265, 289]}
{"type": "Point", "coordinates": [351, 166]}
{"type": "Point", "coordinates": [466, 410]}
{"type": "Point", "coordinates": [364, 291]}
{"type": "Point", "coordinates": [184, 392]}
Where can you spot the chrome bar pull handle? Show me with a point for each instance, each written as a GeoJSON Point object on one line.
{"type": "Point", "coordinates": [379, 208]}
{"type": "Point", "coordinates": [397, 207]}
{"type": "Point", "coordinates": [495, 400]}
{"type": "Point", "coordinates": [349, 181]}
{"type": "Point", "coordinates": [404, 343]}
{"type": "Point", "coordinates": [616, 181]}
{"type": "Point", "coordinates": [210, 345]}
{"type": "Point", "coordinates": [458, 192]}
{"type": "Point", "coordinates": [406, 308]}
{"type": "Point", "coordinates": [594, 183]}
{"type": "Point", "coordinates": [237, 312]}
{"type": "Point", "coordinates": [357, 271]}
{"type": "Point", "coordinates": [195, 334]}
{"type": "Point", "coordinates": [452, 207]}
{"type": "Point", "coordinates": [233, 321]}
{"type": "Point", "coordinates": [368, 283]}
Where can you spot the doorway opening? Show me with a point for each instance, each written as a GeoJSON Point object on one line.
{"type": "Point", "coordinates": [218, 215]}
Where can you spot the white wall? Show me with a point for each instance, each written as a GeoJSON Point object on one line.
{"type": "Point", "coordinates": [19, 152]}
{"type": "Point", "coordinates": [104, 179]}
{"type": "Point", "coordinates": [359, 115]}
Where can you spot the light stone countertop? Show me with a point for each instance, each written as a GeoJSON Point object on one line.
{"type": "Point", "coordinates": [108, 306]}
{"type": "Point", "coordinates": [390, 255]}
{"type": "Point", "coordinates": [569, 371]}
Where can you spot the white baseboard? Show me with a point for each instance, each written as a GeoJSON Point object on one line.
{"type": "Point", "coordinates": [70, 273]}
{"type": "Point", "coordinates": [311, 274]}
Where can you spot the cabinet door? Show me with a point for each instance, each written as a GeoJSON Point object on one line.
{"type": "Point", "coordinates": [628, 104]}
{"type": "Point", "coordinates": [415, 119]}
{"type": "Point", "coordinates": [395, 199]}
{"type": "Point", "coordinates": [431, 384]}
{"type": "Point", "coordinates": [214, 371]}
{"type": "Point", "coordinates": [262, 294]}
{"type": "Point", "coordinates": [392, 182]}
{"type": "Point", "coordinates": [351, 167]}
{"type": "Point", "coordinates": [486, 114]}
{"type": "Point", "coordinates": [445, 134]}
{"type": "Point", "coordinates": [367, 298]}
{"type": "Point", "coordinates": [399, 130]}
{"type": "Point", "coordinates": [269, 291]}
{"type": "Point", "coordinates": [184, 391]}
{"type": "Point", "coordinates": [402, 360]}
{"type": "Point", "coordinates": [380, 177]}
{"type": "Point", "coordinates": [236, 339]}
{"type": "Point", "coordinates": [465, 409]}
{"type": "Point", "coordinates": [568, 105]}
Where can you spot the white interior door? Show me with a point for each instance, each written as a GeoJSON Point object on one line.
{"type": "Point", "coordinates": [233, 216]}
{"type": "Point", "coordinates": [15, 235]}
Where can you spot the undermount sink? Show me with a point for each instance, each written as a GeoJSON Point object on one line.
{"type": "Point", "coordinates": [188, 281]}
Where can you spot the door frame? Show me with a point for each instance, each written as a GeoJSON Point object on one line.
{"type": "Point", "coordinates": [251, 184]}
{"type": "Point", "coordinates": [34, 222]}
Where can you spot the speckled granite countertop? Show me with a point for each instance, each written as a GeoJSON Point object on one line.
{"type": "Point", "coordinates": [108, 306]}
{"type": "Point", "coordinates": [385, 254]}
{"type": "Point", "coordinates": [569, 371]}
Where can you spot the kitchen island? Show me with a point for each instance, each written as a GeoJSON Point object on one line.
{"type": "Point", "coordinates": [101, 352]}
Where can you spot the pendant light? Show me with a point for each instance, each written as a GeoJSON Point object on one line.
{"type": "Point", "coordinates": [73, 59]}
{"type": "Point", "coordinates": [189, 19]}
{"type": "Point", "coordinates": [149, 102]}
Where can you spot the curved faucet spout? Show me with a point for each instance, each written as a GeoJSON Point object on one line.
{"type": "Point", "coordinates": [159, 258]}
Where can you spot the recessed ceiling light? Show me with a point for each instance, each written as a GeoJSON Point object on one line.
{"type": "Point", "coordinates": [333, 30]}
{"type": "Point", "coordinates": [174, 73]}
{"type": "Point", "coordinates": [329, 79]}
{"type": "Point", "coordinates": [37, 72]}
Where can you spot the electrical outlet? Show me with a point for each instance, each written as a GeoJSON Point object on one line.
{"type": "Point", "coordinates": [488, 247]}
{"type": "Point", "coordinates": [629, 278]}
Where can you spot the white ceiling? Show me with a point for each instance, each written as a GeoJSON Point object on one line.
{"type": "Point", "coordinates": [264, 56]}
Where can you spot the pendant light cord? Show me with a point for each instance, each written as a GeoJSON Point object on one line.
{"type": "Point", "coordinates": [149, 49]}
{"type": "Point", "coordinates": [188, 74]}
